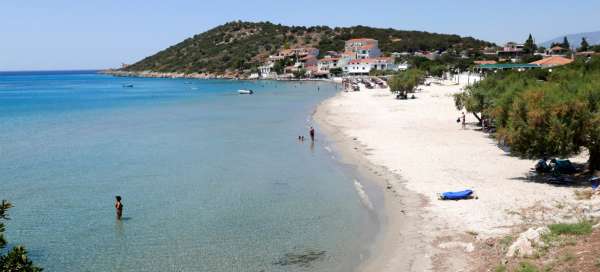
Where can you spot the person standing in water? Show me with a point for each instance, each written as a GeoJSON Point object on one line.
{"type": "Point", "coordinates": [119, 207]}
{"type": "Point", "coordinates": [312, 134]}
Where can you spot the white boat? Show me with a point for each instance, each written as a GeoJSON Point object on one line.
{"type": "Point", "coordinates": [245, 92]}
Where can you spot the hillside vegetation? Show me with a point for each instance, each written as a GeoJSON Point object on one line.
{"type": "Point", "coordinates": [237, 46]}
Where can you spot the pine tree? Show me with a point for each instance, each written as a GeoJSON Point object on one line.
{"type": "Point", "coordinates": [529, 47]}
{"type": "Point", "coordinates": [16, 259]}
{"type": "Point", "coordinates": [565, 44]}
{"type": "Point", "coordinates": [584, 45]}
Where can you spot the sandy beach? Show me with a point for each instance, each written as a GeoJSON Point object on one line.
{"type": "Point", "coordinates": [416, 149]}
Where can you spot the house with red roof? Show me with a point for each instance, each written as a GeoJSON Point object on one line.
{"type": "Point", "coordinates": [553, 61]}
{"type": "Point", "coordinates": [363, 48]}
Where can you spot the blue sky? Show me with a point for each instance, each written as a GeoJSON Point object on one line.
{"type": "Point", "coordinates": [90, 34]}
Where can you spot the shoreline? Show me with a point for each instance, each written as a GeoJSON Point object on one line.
{"type": "Point", "coordinates": [172, 75]}
{"type": "Point", "coordinates": [398, 235]}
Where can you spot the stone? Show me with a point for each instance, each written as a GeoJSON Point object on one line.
{"type": "Point", "coordinates": [524, 245]}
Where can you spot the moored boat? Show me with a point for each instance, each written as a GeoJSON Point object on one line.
{"type": "Point", "coordinates": [245, 92]}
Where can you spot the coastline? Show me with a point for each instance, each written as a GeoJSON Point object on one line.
{"type": "Point", "coordinates": [393, 248]}
{"type": "Point", "coordinates": [174, 75]}
{"type": "Point", "coordinates": [414, 149]}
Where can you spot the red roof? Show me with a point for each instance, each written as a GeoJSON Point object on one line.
{"type": "Point", "coordinates": [553, 61]}
{"type": "Point", "coordinates": [328, 59]}
{"type": "Point", "coordinates": [361, 40]}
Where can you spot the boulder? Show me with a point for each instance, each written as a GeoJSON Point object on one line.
{"type": "Point", "coordinates": [524, 246]}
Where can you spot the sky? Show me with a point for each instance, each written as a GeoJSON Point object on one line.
{"type": "Point", "coordinates": [93, 34]}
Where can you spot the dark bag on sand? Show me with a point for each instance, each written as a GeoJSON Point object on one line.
{"type": "Point", "coordinates": [458, 120]}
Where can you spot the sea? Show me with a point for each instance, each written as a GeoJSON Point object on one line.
{"type": "Point", "coordinates": [211, 180]}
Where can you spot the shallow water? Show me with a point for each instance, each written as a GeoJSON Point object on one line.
{"type": "Point", "coordinates": [211, 180]}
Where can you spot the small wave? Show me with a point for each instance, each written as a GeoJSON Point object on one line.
{"type": "Point", "coordinates": [328, 149]}
{"type": "Point", "coordinates": [364, 198]}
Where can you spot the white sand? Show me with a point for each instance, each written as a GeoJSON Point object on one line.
{"type": "Point", "coordinates": [421, 141]}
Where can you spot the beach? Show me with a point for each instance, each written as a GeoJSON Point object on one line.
{"type": "Point", "coordinates": [416, 149]}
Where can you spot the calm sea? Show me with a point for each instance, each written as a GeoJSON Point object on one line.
{"type": "Point", "coordinates": [211, 180]}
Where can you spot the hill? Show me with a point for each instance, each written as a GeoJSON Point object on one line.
{"type": "Point", "coordinates": [237, 46]}
{"type": "Point", "coordinates": [593, 38]}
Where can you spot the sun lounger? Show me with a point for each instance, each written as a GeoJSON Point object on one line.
{"type": "Point", "coordinates": [466, 194]}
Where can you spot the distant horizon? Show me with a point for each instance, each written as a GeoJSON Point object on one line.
{"type": "Point", "coordinates": [104, 34]}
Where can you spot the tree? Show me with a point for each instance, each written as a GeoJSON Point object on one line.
{"type": "Point", "coordinates": [565, 44]}
{"type": "Point", "coordinates": [538, 113]}
{"type": "Point", "coordinates": [336, 71]}
{"type": "Point", "coordinates": [406, 81]}
{"type": "Point", "coordinates": [300, 73]}
{"type": "Point", "coordinates": [15, 260]}
{"type": "Point", "coordinates": [529, 47]}
{"type": "Point", "coordinates": [584, 45]}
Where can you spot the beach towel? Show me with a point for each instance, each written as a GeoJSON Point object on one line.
{"type": "Point", "coordinates": [457, 195]}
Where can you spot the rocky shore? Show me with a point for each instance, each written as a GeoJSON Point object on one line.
{"type": "Point", "coordinates": [152, 74]}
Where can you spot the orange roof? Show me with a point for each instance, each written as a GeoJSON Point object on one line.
{"type": "Point", "coordinates": [485, 62]}
{"type": "Point", "coordinates": [329, 59]}
{"type": "Point", "coordinates": [360, 40]}
{"type": "Point", "coordinates": [553, 61]}
{"type": "Point", "coordinates": [557, 48]}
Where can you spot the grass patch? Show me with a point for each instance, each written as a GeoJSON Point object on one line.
{"type": "Point", "coordinates": [500, 268]}
{"type": "Point", "coordinates": [527, 267]}
{"type": "Point", "coordinates": [505, 242]}
{"type": "Point", "coordinates": [581, 228]}
{"type": "Point", "coordinates": [598, 263]}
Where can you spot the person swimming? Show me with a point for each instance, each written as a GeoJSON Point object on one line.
{"type": "Point", "coordinates": [119, 207]}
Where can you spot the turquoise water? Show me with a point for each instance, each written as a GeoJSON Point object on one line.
{"type": "Point", "coordinates": [211, 180]}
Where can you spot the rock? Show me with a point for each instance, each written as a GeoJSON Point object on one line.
{"type": "Point", "coordinates": [524, 245]}
{"type": "Point", "coordinates": [490, 242]}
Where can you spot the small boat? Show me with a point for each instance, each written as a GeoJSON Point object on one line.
{"type": "Point", "coordinates": [127, 85]}
{"type": "Point", "coordinates": [245, 92]}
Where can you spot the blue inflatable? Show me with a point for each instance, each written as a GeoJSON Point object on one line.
{"type": "Point", "coordinates": [457, 195]}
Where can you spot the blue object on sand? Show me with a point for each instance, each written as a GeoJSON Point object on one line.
{"type": "Point", "coordinates": [595, 182]}
{"type": "Point", "coordinates": [457, 195]}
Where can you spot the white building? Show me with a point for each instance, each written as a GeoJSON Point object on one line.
{"type": "Point", "coordinates": [363, 48]}
{"type": "Point", "coordinates": [327, 63]}
{"type": "Point", "coordinates": [266, 71]}
{"type": "Point", "coordinates": [364, 66]}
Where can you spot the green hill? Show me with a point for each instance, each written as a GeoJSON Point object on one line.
{"type": "Point", "coordinates": [238, 45]}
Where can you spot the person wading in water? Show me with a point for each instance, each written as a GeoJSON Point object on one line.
{"type": "Point", "coordinates": [119, 207]}
{"type": "Point", "coordinates": [312, 134]}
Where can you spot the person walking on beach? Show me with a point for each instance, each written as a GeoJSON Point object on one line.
{"type": "Point", "coordinates": [312, 134]}
{"type": "Point", "coordinates": [463, 120]}
{"type": "Point", "coordinates": [119, 207]}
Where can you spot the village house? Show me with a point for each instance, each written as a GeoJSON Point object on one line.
{"type": "Point", "coordinates": [553, 61]}
{"type": "Point", "coordinates": [364, 66]}
{"type": "Point", "coordinates": [557, 51]}
{"type": "Point", "coordinates": [328, 63]}
{"type": "Point", "coordinates": [363, 48]}
{"type": "Point", "coordinates": [511, 51]}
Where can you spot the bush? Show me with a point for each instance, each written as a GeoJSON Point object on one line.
{"type": "Point", "coordinates": [581, 228]}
